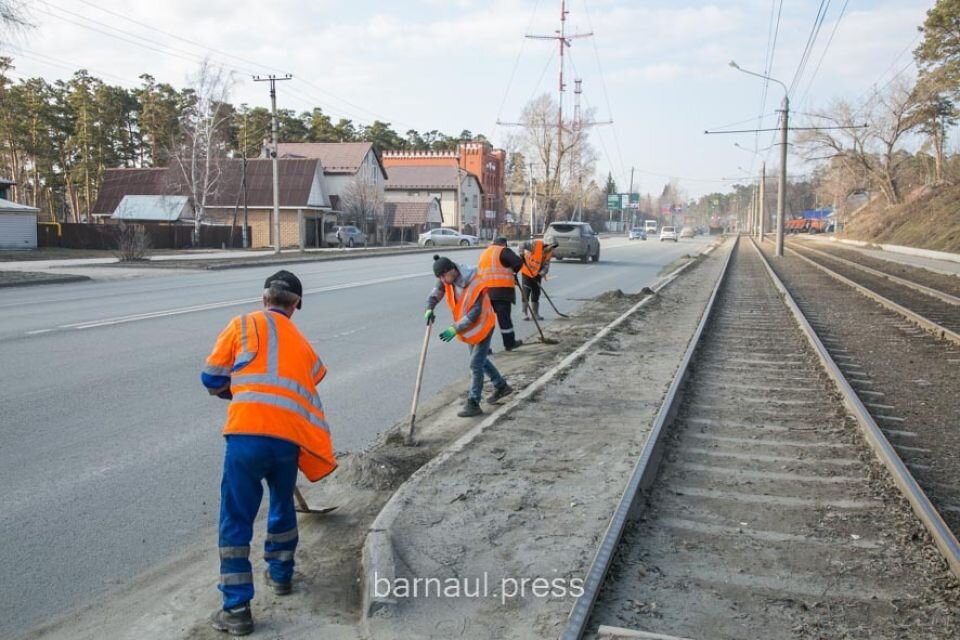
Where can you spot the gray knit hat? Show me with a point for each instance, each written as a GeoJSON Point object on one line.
{"type": "Point", "coordinates": [441, 265]}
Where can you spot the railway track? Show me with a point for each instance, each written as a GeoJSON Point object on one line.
{"type": "Point", "coordinates": [933, 309]}
{"type": "Point", "coordinates": [757, 509]}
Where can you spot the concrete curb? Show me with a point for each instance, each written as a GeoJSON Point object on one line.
{"type": "Point", "coordinates": [908, 251]}
{"type": "Point", "coordinates": [352, 256]}
{"type": "Point", "coordinates": [64, 279]}
{"type": "Point", "coordinates": [378, 559]}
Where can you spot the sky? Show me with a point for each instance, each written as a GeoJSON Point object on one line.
{"type": "Point", "coordinates": [659, 69]}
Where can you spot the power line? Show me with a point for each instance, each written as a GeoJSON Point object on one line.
{"type": "Point", "coordinates": [823, 55]}
{"type": "Point", "coordinates": [516, 62]}
{"type": "Point", "coordinates": [811, 41]}
{"type": "Point", "coordinates": [173, 35]}
{"type": "Point", "coordinates": [606, 94]}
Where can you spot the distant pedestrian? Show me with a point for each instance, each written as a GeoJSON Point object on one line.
{"type": "Point", "coordinates": [340, 237]}
{"type": "Point", "coordinates": [498, 265]}
{"type": "Point", "coordinates": [473, 323]}
{"type": "Point", "coordinates": [275, 424]}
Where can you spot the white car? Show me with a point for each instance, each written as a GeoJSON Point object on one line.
{"type": "Point", "coordinates": [446, 238]}
{"type": "Point", "coordinates": [687, 232]}
{"type": "Point", "coordinates": [668, 233]}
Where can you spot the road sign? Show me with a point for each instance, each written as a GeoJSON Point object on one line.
{"type": "Point", "coordinates": [613, 201]}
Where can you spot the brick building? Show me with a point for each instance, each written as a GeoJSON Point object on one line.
{"type": "Point", "coordinates": [481, 160]}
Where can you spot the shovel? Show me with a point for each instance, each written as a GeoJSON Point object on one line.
{"type": "Point", "coordinates": [527, 310]}
{"type": "Point", "coordinates": [408, 440]}
{"type": "Point", "coordinates": [300, 504]}
{"type": "Point", "coordinates": [557, 311]}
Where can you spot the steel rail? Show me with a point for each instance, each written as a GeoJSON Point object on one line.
{"type": "Point", "coordinates": [934, 293]}
{"type": "Point", "coordinates": [942, 536]}
{"type": "Point", "coordinates": [923, 322]}
{"type": "Point", "coordinates": [642, 476]}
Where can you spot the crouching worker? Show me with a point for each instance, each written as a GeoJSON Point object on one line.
{"type": "Point", "coordinates": [473, 322]}
{"type": "Point", "coordinates": [275, 425]}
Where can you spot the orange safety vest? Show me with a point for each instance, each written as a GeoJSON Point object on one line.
{"type": "Point", "coordinates": [490, 269]}
{"type": "Point", "coordinates": [532, 264]}
{"type": "Point", "coordinates": [476, 332]}
{"type": "Point", "coordinates": [273, 376]}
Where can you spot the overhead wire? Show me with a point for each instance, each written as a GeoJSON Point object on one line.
{"type": "Point", "coordinates": [823, 55]}
{"type": "Point", "coordinates": [811, 42]}
{"type": "Point", "coordinates": [516, 63]}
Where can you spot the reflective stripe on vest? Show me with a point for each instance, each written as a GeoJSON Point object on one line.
{"type": "Point", "coordinates": [533, 263]}
{"type": "Point", "coordinates": [485, 323]}
{"type": "Point", "coordinates": [492, 271]}
{"type": "Point", "coordinates": [280, 405]}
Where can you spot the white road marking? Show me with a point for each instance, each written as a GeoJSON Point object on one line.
{"type": "Point", "coordinates": [91, 324]}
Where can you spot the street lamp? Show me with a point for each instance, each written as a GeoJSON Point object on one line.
{"type": "Point", "coordinates": [782, 185]}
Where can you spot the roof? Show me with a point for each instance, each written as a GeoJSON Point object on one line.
{"type": "Point", "coordinates": [153, 208]}
{"type": "Point", "coordinates": [336, 157]}
{"type": "Point", "coordinates": [9, 206]}
{"type": "Point", "coordinates": [405, 214]}
{"type": "Point", "coordinates": [7, 183]}
{"type": "Point", "coordinates": [425, 177]}
{"type": "Point", "coordinates": [296, 183]}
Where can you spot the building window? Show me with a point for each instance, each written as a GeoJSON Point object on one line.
{"type": "Point", "coordinates": [474, 199]}
{"type": "Point", "coordinates": [413, 193]}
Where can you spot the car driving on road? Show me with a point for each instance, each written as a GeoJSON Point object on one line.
{"type": "Point", "coordinates": [573, 240]}
{"type": "Point", "coordinates": [668, 233]}
{"type": "Point", "coordinates": [637, 233]}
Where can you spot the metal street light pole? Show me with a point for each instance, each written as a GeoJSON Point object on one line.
{"type": "Point", "coordinates": [782, 185]}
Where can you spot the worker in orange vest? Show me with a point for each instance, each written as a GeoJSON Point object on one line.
{"type": "Point", "coordinates": [465, 290]}
{"type": "Point", "coordinates": [275, 424]}
{"type": "Point", "coordinates": [536, 264]}
{"type": "Point", "coordinates": [499, 265]}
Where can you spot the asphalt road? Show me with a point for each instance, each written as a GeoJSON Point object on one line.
{"type": "Point", "coordinates": [110, 449]}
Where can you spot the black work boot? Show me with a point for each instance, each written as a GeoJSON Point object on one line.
{"type": "Point", "coordinates": [516, 345]}
{"type": "Point", "coordinates": [470, 408]}
{"type": "Point", "coordinates": [237, 621]}
{"type": "Point", "coordinates": [499, 392]}
{"type": "Point", "coordinates": [279, 588]}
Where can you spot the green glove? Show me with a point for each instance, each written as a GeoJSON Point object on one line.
{"type": "Point", "coordinates": [448, 334]}
{"type": "Point", "coordinates": [429, 316]}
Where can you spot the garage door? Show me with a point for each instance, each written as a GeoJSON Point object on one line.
{"type": "Point", "coordinates": [18, 231]}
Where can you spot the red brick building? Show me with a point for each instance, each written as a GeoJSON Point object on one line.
{"type": "Point", "coordinates": [487, 164]}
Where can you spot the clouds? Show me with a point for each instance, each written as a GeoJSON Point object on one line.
{"type": "Point", "coordinates": [447, 63]}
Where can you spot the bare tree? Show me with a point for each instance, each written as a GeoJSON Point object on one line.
{"type": "Point", "coordinates": [202, 142]}
{"type": "Point", "coordinates": [363, 201]}
{"type": "Point", "coordinates": [561, 155]}
{"type": "Point", "coordinates": [13, 17]}
{"type": "Point", "coordinates": [875, 151]}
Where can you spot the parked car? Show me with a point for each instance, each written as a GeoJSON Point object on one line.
{"type": "Point", "coordinates": [637, 233]}
{"type": "Point", "coordinates": [352, 237]}
{"type": "Point", "coordinates": [687, 232]}
{"type": "Point", "coordinates": [574, 240]}
{"type": "Point", "coordinates": [445, 238]}
{"type": "Point", "coordinates": [668, 233]}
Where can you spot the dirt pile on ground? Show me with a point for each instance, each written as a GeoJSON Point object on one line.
{"type": "Point", "coordinates": [930, 221]}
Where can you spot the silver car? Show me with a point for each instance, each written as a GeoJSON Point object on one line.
{"type": "Point", "coordinates": [351, 235]}
{"type": "Point", "coordinates": [446, 238]}
{"type": "Point", "coordinates": [573, 240]}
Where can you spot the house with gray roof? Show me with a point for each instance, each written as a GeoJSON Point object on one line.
{"type": "Point", "coordinates": [423, 184]}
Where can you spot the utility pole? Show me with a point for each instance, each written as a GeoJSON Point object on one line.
{"type": "Point", "coordinates": [243, 185]}
{"type": "Point", "coordinates": [272, 79]}
{"type": "Point", "coordinates": [629, 199]}
{"type": "Point", "coordinates": [459, 203]}
{"type": "Point", "coordinates": [782, 187]}
{"type": "Point", "coordinates": [763, 199]}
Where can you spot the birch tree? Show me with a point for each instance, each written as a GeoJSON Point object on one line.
{"type": "Point", "coordinates": [201, 149]}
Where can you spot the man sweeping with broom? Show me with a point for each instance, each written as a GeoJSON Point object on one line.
{"type": "Point", "coordinates": [465, 290]}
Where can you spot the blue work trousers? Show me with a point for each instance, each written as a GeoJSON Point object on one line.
{"type": "Point", "coordinates": [479, 364]}
{"type": "Point", "coordinates": [247, 461]}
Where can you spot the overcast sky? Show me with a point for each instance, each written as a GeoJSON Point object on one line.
{"type": "Point", "coordinates": [658, 68]}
